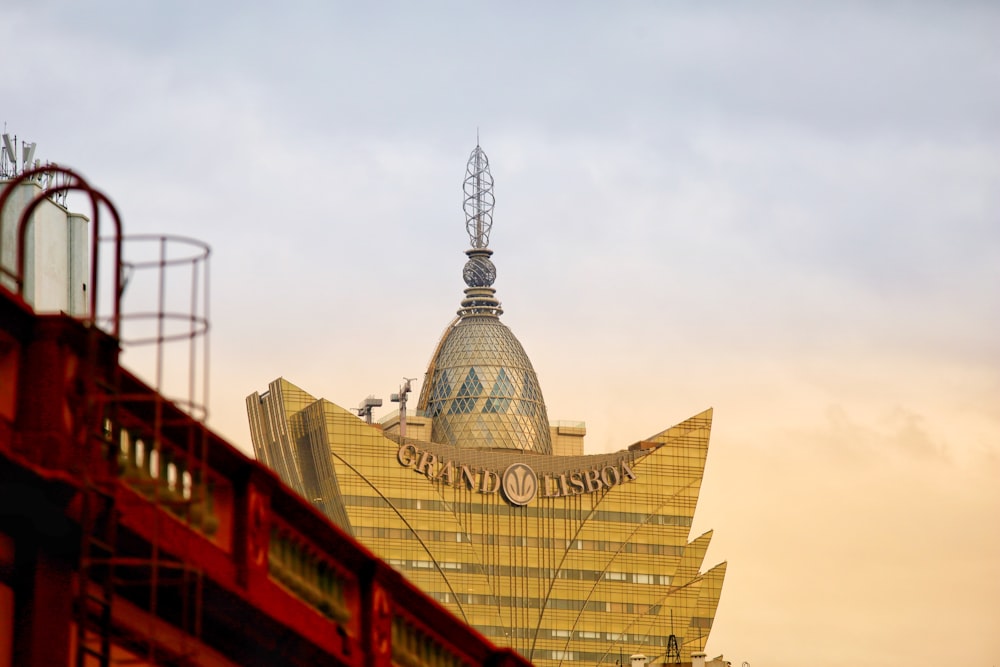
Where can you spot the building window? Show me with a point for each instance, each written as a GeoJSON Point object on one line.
{"type": "Point", "coordinates": [442, 390]}
{"type": "Point", "coordinates": [499, 399]}
{"type": "Point", "coordinates": [530, 395]}
{"type": "Point", "coordinates": [465, 401]}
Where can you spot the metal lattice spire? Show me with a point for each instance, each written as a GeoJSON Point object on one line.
{"type": "Point", "coordinates": [479, 199]}
{"type": "Point", "coordinates": [479, 272]}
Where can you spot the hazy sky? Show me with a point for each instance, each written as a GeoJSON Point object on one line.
{"type": "Point", "coordinates": [787, 211]}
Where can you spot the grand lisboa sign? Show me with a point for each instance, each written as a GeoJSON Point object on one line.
{"type": "Point", "coordinates": [518, 483]}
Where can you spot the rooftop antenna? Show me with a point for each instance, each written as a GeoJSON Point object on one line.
{"type": "Point", "coordinates": [27, 155]}
{"type": "Point", "coordinates": [366, 406]}
{"type": "Point", "coordinates": [8, 160]}
{"type": "Point", "coordinates": [400, 398]}
{"type": "Point", "coordinates": [673, 650]}
{"type": "Point", "coordinates": [12, 165]}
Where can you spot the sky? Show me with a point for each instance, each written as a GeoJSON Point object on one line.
{"type": "Point", "coordinates": [789, 212]}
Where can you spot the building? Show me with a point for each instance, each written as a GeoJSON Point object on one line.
{"type": "Point", "coordinates": [56, 256]}
{"type": "Point", "coordinates": [132, 534]}
{"type": "Point", "coordinates": [494, 511]}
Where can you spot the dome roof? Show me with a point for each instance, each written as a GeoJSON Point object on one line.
{"type": "Point", "coordinates": [480, 389]}
{"type": "Point", "coordinates": [482, 392]}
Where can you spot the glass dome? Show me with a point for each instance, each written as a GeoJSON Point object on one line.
{"type": "Point", "coordinates": [482, 392]}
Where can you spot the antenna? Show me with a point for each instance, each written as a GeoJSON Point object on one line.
{"type": "Point", "coordinates": [8, 167]}
{"type": "Point", "coordinates": [673, 650]}
{"type": "Point", "coordinates": [400, 398]}
{"type": "Point", "coordinates": [27, 154]}
{"type": "Point", "coordinates": [366, 406]}
{"type": "Point", "coordinates": [11, 166]}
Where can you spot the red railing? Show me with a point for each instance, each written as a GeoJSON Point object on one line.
{"type": "Point", "coordinates": [266, 567]}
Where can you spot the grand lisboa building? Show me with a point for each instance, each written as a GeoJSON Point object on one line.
{"type": "Point", "coordinates": [496, 512]}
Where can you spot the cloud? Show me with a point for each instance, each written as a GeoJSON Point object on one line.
{"type": "Point", "coordinates": [784, 211]}
{"type": "Point", "coordinates": [897, 432]}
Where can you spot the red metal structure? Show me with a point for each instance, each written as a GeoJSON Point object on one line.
{"type": "Point", "coordinates": [132, 534]}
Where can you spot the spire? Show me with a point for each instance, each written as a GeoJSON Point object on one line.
{"type": "Point", "coordinates": [479, 272]}
{"type": "Point", "coordinates": [478, 198]}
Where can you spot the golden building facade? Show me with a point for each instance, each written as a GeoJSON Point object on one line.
{"type": "Point", "coordinates": [495, 512]}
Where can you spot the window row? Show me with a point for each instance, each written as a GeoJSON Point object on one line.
{"type": "Point", "coordinates": [637, 578]}
{"type": "Point", "coordinates": [542, 633]}
{"type": "Point", "coordinates": [520, 602]}
{"type": "Point", "coordinates": [502, 509]}
{"type": "Point", "coordinates": [518, 541]}
{"type": "Point", "coordinates": [535, 572]}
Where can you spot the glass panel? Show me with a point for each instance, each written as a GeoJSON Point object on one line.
{"type": "Point", "coordinates": [471, 389]}
{"type": "Point", "coordinates": [503, 389]}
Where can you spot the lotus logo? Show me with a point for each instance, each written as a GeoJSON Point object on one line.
{"type": "Point", "coordinates": [519, 484]}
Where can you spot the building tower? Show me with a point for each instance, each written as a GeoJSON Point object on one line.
{"type": "Point", "coordinates": [497, 514]}
{"type": "Point", "coordinates": [480, 389]}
